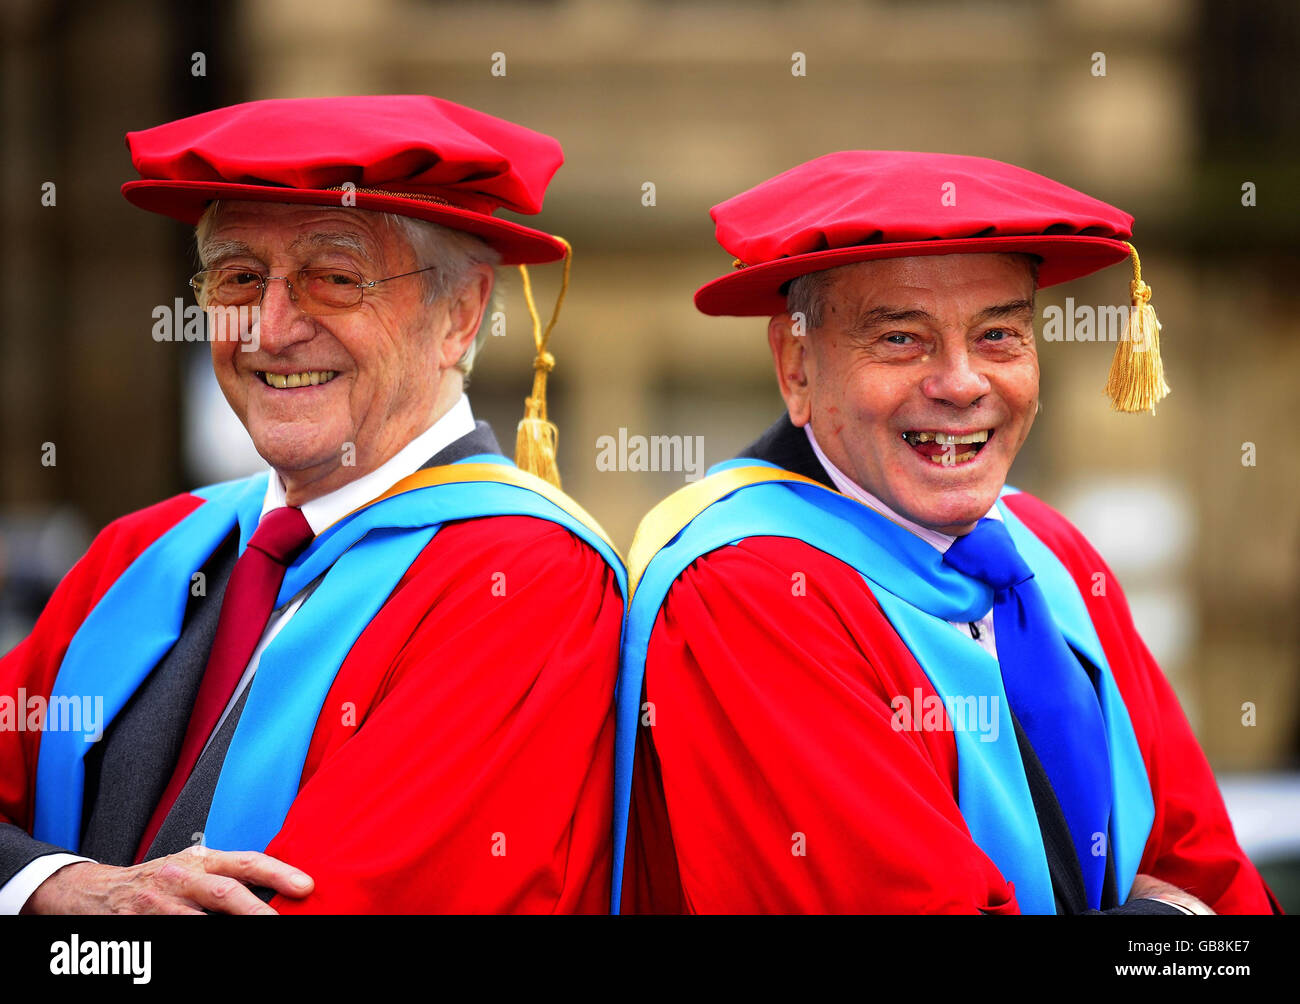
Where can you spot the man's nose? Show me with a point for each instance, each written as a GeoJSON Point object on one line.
{"type": "Point", "coordinates": [280, 320]}
{"type": "Point", "coordinates": [954, 380]}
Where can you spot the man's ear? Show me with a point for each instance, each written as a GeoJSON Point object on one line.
{"type": "Point", "coordinates": [788, 341]}
{"type": "Point", "coordinates": [465, 309]}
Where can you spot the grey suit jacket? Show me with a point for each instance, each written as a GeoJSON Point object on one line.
{"type": "Point", "coordinates": [128, 769]}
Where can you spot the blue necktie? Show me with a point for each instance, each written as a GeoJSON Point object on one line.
{"type": "Point", "coordinates": [1048, 690]}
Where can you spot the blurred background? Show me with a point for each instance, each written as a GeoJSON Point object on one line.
{"type": "Point", "coordinates": [1194, 127]}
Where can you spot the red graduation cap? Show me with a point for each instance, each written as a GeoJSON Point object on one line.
{"type": "Point", "coordinates": [865, 205]}
{"type": "Point", "coordinates": [408, 154]}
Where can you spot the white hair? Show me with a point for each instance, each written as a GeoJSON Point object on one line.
{"type": "Point", "coordinates": [452, 253]}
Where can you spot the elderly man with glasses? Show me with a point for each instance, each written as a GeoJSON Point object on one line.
{"type": "Point", "coordinates": [378, 677]}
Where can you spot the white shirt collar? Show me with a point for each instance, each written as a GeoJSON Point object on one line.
{"type": "Point", "coordinates": [940, 541]}
{"type": "Point", "coordinates": [328, 509]}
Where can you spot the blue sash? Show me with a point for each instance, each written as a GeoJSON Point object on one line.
{"type": "Point", "coordinates": [362, 557]}
{"type": "Point", "coordinates": [918, 594]}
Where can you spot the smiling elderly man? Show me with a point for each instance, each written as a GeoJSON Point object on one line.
{"type": "Point", "coordinates": [378, 677]}
{"type": "Point", "coordinates": [870, 676]}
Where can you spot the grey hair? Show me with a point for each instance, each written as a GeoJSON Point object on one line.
{"type": "Point", "coordinates": [806, 294]}
{"type": "Point", "coordinates": [452, 253]}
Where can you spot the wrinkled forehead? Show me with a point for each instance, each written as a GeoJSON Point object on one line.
{"type": "Point", "coordinates": [942, 282]}
{"type": "Point", "coordinates": [259, 228]}
{"type": "Point", "coordinates": [933, 272]}
{"type": "Point", "coordinates": [934, 291]}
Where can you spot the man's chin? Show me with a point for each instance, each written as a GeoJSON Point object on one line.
{"type": "Point", "coordinates": [956, 512]}
{"type": "Point", "coordinates": [290, 455]}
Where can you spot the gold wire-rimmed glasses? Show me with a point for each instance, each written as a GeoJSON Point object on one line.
{"type": "Point", "coordinates": [316, 291]}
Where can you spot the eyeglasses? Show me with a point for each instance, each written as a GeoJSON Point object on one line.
{"type": "Point", "coordinates": [316, 291]}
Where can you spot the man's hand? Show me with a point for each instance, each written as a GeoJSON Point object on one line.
{"type": "Point", "coordinates": [1149, 887]}
{"type": "Point", "coordinates": [190, 881]}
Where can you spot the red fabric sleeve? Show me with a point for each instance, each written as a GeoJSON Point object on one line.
{"type": "Point", "coordinates": [463, 760]}
{"type": "Point", "coordinates": [33, 664]}
{"type": "Point", "coordinates": [771, 672]}
{"type": "Point", "coordinates": [1192, 844]}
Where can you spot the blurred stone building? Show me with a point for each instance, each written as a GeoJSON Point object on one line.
{"type": "Point", "coordinates": [702, 100]}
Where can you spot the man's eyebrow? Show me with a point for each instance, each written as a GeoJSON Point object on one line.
{"type": "Point", "coordinates": [1012, 308]}
{"type": "Point", "coordinates": [218, 250]}
{"type": "Point", "coordinates": [868, 319]}
{"type": "Point", "coordinates": [338, 240]}
{"type": "Point", "coordinates": [886, 314]}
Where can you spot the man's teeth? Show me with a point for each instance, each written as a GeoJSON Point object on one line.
{"type": "Point", "coordinates": [310, 378]}
{"type": "Point", "coordinates": [944, 439]}
{"type": "Point", "coordinates": [948, 456]}
{"type": "Point", "coordinates": [948, 460]}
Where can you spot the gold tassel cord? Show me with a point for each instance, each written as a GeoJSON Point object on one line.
{"type": "Point", "coordinates": [538, 438]}
{"type": "Point", "coordinates": [1137, 373]}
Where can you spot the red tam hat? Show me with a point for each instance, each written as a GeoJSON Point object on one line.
{"type": "Point", "coordinates": [863, 205]}
{"type": "Point", "coordinates": [408, 154]}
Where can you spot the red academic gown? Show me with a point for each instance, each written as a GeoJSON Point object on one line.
{"type": "Point", "coordinates": [463, 759]}
{"type": "Point", "coordinates": [775, 782]}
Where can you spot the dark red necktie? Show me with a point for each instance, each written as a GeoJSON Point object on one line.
{"type": "Point", "coordinates": [249, 600]}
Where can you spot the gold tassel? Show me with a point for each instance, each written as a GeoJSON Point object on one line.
{"type": "Point", "coordinates": [538, 439]}
{"type": "Point", "coordinates": [1137, 373]}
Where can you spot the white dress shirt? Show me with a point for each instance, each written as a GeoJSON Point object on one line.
{"type": "Point", "coordinates": [982, 629]}
{"type": "Point", "coordinates": [319, 513]}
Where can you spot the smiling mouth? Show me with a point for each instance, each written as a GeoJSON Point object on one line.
{"type": "Point", "coordinates": [947, 449]}
{"type": "Point", "coordinates": [288, 381]}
